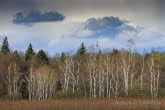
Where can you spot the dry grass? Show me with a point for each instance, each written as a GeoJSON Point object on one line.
{"type": "Point", "coordinates": [85, 104]}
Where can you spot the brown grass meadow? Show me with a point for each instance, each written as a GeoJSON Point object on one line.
{"type": "Point", "coordinates": [84, 104]}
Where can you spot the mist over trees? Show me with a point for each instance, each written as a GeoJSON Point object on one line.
{"type": "Point", "coordinates": [113, 74]}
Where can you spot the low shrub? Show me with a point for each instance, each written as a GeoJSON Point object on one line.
{"type": "Point", "coordinates": [13, 96]}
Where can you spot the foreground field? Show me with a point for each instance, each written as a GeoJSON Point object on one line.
{"type": "Point", "coordinates": [85, 104]}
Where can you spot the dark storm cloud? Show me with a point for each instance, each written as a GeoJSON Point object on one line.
{"type": "Point", "coordinates": [102, 4]}
{"type": "Point", "coordinates": [141, 12]}
{"type": "Point", "coordinates": [161, 7]}
{"type": "Point", "coordinates": [107, 26]}
{"type": "Point", "coordinates": [17, 4]}
{"type": "Point", "coordinates": [102, 23]}
{"type": "Point", "coordinates": [71, 6]}
{"type": "Point", "coordinates": [36, 16]}
{"type": "Point", "coordinates": [79, 4]}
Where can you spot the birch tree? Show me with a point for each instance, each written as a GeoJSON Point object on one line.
{"type": "Point", "coordinates": [65, 70]}
{"type": "Point", "coordinates": [108, 72]}
{"type": "Point", "coordinates": [154, 70]}
{"type": "Point", "coordinates": [42, 83]}
{"type": "Point", "coordinates": [92, 75]}
{"type": "Point", "coordinates": [142, 73]}
{"type": "Point", "coordinates": [13, 76]}
{"type": "Point", "coordinates": [126, 66]}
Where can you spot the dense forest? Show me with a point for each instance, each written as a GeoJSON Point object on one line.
{"type": "Point", "coordinates": [97, 74]}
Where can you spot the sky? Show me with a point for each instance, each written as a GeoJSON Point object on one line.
{"type": "Point", "coordinates": [62, 25]}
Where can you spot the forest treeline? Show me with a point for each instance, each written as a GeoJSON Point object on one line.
{"type": "Point", "coordinates": [117, 73]}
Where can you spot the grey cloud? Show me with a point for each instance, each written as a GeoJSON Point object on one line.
{"type": "Point", "coordinates": [71, 5]}
{"type": "Point", "coordinates": [141, 12]}
{"type": "Point", "coordinates": [36, 16]}
{"type": "Point", "coordinates": [6, 5]}
{"type": "Point", "coordinates": [105, 22]}
{"type": "Point", "coordinates": [107, 26]}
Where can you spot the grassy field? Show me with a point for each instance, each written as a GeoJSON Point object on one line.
{"type": "Point", "coordinates": [85, 104]}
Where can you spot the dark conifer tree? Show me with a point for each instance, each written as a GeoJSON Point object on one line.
{"type": "Point", "coordinates": [62, 56]}
{"type": "Point", "coordinates": [16, 53]}
{"type": "Point", "coordinates": [82, 50]}
{"type": "Point", "coordinates": [29, 52]}
{"type": "Point", "coordinates": [42, 58]}
{"type": "Point", "coordinates": [5, 46]}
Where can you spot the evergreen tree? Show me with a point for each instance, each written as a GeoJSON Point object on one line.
{"type": "Point", "coordinates": [100, 52]}
{"type": "Point", "coordinates": [115, 51]}
{"type": "Point", "coordinates": [5, 46]}
{"type": "Point", "coordinates": [62, 56]}
{"type": "Point", "coordinates": [82, 50]}
{"type": "Point", "coordinates": [16, 53]}
{"type": "Point", "coordinates": [29, 53]}
{"type": "Point", "coordinates": [42, 58]}
{"type": "Point", "coordinates": [16, 56]}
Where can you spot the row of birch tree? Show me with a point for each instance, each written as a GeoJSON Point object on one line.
{"type": "Point", "coordinates": [118, 73]}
